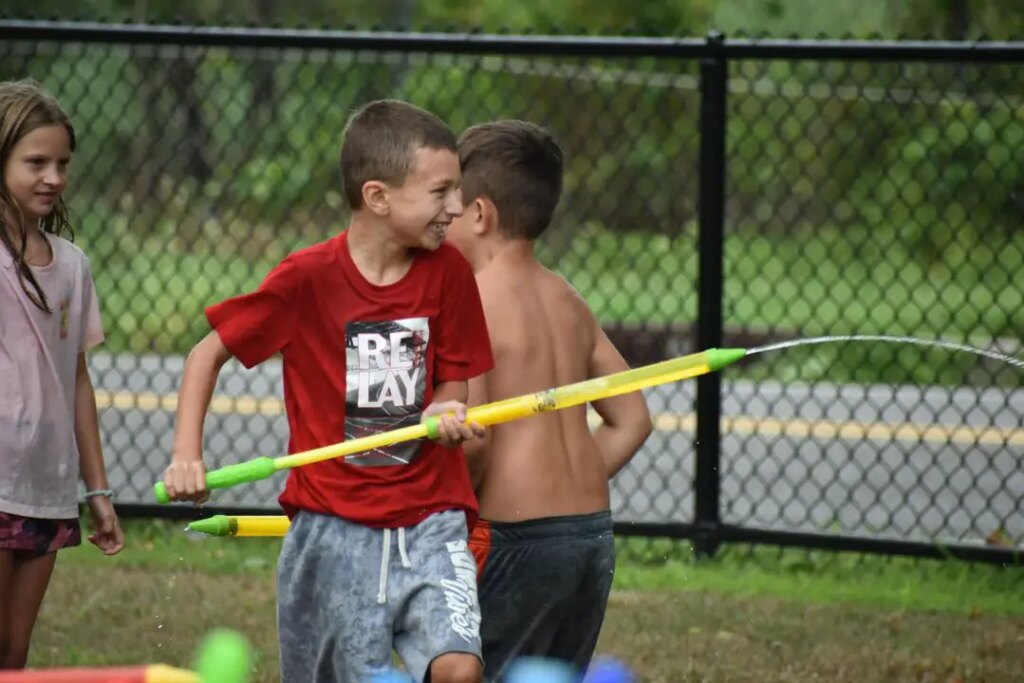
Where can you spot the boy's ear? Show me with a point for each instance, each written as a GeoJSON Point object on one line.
{"type": "Point", "coordinates": [376, 197]}
{"type": "Point", "coordinates": [486, 220]}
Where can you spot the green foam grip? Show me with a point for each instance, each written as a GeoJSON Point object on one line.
{"type": "Point", "coordinates": [226, 477]}
{"type": "Point", "coordinates": [160, 493]}
{"type": "Point", "coordinates": [433, 427]}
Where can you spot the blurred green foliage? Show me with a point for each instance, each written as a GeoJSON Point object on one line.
{"type": "Point", "coordinates": [862, 197]}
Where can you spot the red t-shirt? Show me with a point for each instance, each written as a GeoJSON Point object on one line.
{"type": "Point", "coordinates": [360, 359]}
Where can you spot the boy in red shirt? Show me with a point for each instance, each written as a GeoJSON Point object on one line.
{"type": "Point", "coordinates": [378, 327]}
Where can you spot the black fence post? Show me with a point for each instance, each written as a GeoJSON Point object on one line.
{"type": "Point", "coordinates": [713, 77]}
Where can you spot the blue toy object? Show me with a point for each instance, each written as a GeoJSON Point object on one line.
{"type": "Point", "coordinates": [390, 676]}
{"type": "Point", "coordinates": [608, 670]}
{"type": "Point", "coordinates": [540, 670]}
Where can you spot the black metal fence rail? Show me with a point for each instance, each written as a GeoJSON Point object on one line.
{"type": "Point", "coordinates": [478, 43]}
{"type": "Point", "coordinates": [719, 192]}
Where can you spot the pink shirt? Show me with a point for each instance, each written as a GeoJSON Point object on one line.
{"type": "Point", "coordinates": [38, 365]}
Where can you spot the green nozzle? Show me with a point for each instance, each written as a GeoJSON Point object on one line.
{"type": "Point", "coordinates": [218, 525]}
{"type": "Point", "coordinates": [224, 657]}
{"type": "Point", "coordinates": [433, 424]}
{"type": "Point", "coordinates": [719, 358]}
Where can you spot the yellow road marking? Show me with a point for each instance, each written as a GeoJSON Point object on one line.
{"type": "Point", "coordinates": [850, 430]}
{"type": "Point", "coordinates": [149, 401]}
{"type": "Point", "coordinates": [663, 422]}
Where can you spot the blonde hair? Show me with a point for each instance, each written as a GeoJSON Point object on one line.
{"type": "Point", "coordinates": [24, 107]}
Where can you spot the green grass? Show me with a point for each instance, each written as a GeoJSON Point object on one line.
{"type": "Point", "coordinates": [653, 564]}
{"type": "Point", "coordinates": [160, 544]}
{"type": "Point", "coordinates": [824, 577]}
{"type": "Point", "coordinates": [760, 615]}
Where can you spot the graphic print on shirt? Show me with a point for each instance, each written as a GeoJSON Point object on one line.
{"type": "Point", "coordinates": [65, 310]}
{"type": "Point", "coordinates": [386, 384]}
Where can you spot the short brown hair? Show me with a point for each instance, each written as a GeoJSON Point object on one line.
{"type": "Point", "coordinates": [380, 140]}
{"type": "Point", "coordinates": [518, 166]}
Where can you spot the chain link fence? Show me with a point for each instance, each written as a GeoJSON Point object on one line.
{"type": "Point", "coordinates": [883, 199]}
{"type": "Point", "coordinates": [861, 196]}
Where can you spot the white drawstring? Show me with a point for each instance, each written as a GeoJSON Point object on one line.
{"type": "Point", "coordinates": [401, 548]}
{"type": "Point", "coordinates": [385, 559]}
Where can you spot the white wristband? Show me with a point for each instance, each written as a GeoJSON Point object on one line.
{"type": "Point", "coordinates": [109, 493]}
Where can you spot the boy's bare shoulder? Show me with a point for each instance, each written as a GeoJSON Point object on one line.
{"type": "Point", "coordinates": [572, 296]}
{"type": "Point", "coordinates": [503, 288]}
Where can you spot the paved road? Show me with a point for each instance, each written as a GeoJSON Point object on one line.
{"type": "Point", "coordinates": [922, 463]}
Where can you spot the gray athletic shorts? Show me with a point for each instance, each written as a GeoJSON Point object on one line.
{"type": "Point", "coordinates": [348, 594]}
{"type": "Point", "coordinates": [544, 587]}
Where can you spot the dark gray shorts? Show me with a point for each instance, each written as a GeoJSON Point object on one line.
{"type": "Point", "coordinates": [544, 587]}
{"type": "Point", "coordinates": [348, 594]}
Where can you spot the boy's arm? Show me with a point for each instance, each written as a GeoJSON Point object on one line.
{"type": "Point", "coordinates": [464, 350]}
{"type": "Point", "coordinates": [475, 449]}
{"type": "Point", "coordinates": [451, 391]}
{"type": "Point", "coordinates": [627, 422]}
{"type": "Point", "coordinates": [449, 405]}
{"type": "Point", "coordinates": [107, 534]}
{"type": "Point", "coordinates": [185, 478]}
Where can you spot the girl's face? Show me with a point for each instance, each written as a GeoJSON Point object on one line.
{"type": "Point", "coordinates": [36, 172]}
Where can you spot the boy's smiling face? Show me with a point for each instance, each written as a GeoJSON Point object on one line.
{"type": "Point", "coordinates": [422, 208]}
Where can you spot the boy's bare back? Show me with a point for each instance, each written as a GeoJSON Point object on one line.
{"type": "Point", "coordinates": [543, 334]}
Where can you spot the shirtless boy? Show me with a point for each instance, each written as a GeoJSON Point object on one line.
{"type": "Point", "coordinates": [544, 542]}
